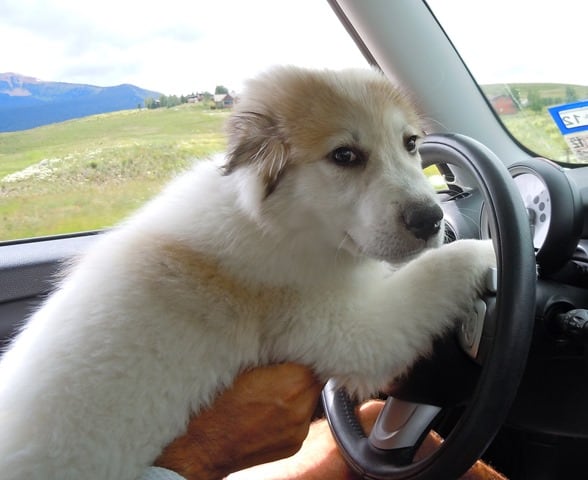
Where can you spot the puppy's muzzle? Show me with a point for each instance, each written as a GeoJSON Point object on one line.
{"type": "Point", "coordinates": [423, 220]}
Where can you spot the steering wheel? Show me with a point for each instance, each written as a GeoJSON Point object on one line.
{"type": "Point", "coordinates": [403, 425]}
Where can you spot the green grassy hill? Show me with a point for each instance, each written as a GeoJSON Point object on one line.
{"type": "Point", "coordinates": [89, 173]}
{"type": "Point", "coordinates": [533, 126]}
{"type": "Point", "coordinates": [547, 90]}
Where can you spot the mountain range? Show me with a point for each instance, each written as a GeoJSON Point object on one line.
{"type": "Point", "coordinates": [26, 102]}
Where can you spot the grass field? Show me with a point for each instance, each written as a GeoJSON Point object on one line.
{"type": "Point", "coordinates": [89, 173]}
{"type": "Point", "coordinates": [537, 130]}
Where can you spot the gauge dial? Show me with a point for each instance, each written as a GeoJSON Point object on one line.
{"type": "Point", "coordinates": [555, 211]}
{"type": "Point", "coordinates": [538, 204]}
{"type": "Point", "coordinates": [554, 208]}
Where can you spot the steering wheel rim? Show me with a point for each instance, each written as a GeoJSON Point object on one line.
{"type": "Point", "coordinates": [504, 365]}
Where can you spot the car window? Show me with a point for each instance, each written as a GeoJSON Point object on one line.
{"type": "Point", "coordinates": [68, 163]}
{"type": "Point", "coordinates": [528, 58]}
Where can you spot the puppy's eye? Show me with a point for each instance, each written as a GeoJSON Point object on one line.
{"type": "Point", "coordinates": [410, 143]}
{"type": "Point", "coordinates": [347, 157]}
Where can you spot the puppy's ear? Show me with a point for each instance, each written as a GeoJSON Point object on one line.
{"type": "Point", "coordinates": [255, 139]}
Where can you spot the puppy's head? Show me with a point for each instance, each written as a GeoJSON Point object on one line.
{"type": "Point", "coordinates": [331, 160]}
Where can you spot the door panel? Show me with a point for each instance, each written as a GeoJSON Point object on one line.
{"type": "Point", "coordinates": [28, 273]}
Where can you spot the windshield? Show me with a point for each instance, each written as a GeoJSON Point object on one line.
{"type": "Point", "coordinates": [529, 59]}
{"type": "Point", "coordinates": [101, 105]}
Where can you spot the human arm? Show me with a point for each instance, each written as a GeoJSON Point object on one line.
{"type": "Point", "coordinates": [319, 457]}
{"type": "Point", "coordinates": [264, 416]}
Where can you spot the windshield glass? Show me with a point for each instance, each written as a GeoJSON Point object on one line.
{"type": "Point", "coordinates": [101, 105]}
{"type": "Point", "coordinates": [529, 59]}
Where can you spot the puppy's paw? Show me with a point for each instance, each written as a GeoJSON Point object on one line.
{"type": "Point", "coordinates": [471, 260]}
{"type": "Point", "coordinates": [456, 275]}
{"type": "Point", "coordinates": [482, 259]}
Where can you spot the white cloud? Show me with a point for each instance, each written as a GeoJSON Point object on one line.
{"type": "Point", "coordinates": [172, 46]}
{"type": "Point", "coordinates": [178, 47]}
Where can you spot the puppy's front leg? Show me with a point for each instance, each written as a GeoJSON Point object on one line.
{"type": "Point", "coordinates": [397, 318]}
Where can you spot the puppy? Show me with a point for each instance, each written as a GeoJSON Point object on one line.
{"type": "Point", "coordinates": [279, 251]}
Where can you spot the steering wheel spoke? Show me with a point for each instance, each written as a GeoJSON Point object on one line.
{"type": "Point", "coordinates": [402, 425]}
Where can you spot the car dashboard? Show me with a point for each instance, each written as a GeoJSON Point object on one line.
{"type": "Point", "coordinates": [547, 428]}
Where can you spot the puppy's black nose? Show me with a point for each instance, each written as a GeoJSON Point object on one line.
{"type": "Point", "coordinates": [423, 220]}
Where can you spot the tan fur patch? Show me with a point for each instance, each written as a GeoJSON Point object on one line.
{"type": "Point", "coordinates": [257, 140]}
{"type": "Point", "coordinates": [203, 274]}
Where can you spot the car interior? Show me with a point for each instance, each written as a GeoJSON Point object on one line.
{"type": "Point", "coordinates": [509, 385]}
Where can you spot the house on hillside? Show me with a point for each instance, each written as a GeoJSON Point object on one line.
{"type": "Point", "coordinates": [198, 97]}
{"type": "Point", "coordinates": [504, 105]}
{"type": "Point", "coordinates": [224, 100]}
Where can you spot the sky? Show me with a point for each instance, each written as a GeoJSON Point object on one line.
{"type": "Point", "coordinates": [171, 46]}
{"type": "Point", "coordinates": [180, 47]}
{"type": "Point", "coordinates": [519, 40]}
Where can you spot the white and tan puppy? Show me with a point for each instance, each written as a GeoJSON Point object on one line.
{"type": "Point", "coordinates": [280, 251]}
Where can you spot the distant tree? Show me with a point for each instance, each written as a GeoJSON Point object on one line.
{"type": "Point", "coordinates": [571, 95]}
{"type": "Point", "coordinates": [162, 101]}
{"type": "Point", "coordinates": [219, 90]}
{"type": "Point", "coordinates": [173, 101]}
{"type": "Point", "coordinates": [150, 103]}
{"type": "Point", "coordinates": [534, 100]}
{"type": "Point", "coordinates": [552, 100]}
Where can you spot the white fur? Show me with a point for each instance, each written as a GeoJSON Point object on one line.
{"type": "Point", "coordinates": [215, 276]}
